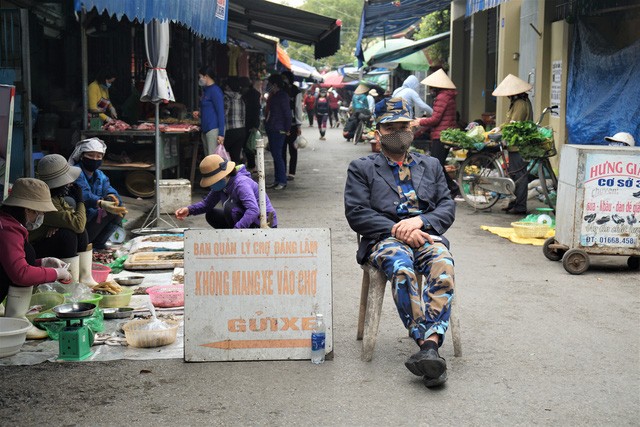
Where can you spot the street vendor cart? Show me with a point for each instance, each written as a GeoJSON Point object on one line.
{"type": "Point", "coordinates": [598, 206]}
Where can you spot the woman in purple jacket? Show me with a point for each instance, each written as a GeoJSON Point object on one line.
{"type": "Point", "coordinates": [237, 192]}
{"type": "Point", "coordinates": [278, 126]}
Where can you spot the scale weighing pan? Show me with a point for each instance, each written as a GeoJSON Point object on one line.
{"type": "Point", "coordinates": [74, 310]}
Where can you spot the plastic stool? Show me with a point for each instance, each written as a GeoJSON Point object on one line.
{"type": "Point", "coordinates": [37, 155]}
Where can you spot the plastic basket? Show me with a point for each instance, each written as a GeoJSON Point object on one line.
{"type": "Point", "coordinates": [166, 296]}
{"type": "Point", "coordinates": [100, 272]}
{"type": "Point", "coordinates": [138, 336]}
{"type": "Point", "coordinates": [528, 230]}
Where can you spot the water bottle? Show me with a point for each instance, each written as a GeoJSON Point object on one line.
{"type": "Point", "coordinates": [318, 334]}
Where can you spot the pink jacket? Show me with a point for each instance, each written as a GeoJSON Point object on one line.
{"type": "Point", "coordinates": [13, 262]}
{"type": "Point", "coordinates": [444, 113]}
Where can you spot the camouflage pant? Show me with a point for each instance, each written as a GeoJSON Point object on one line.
{"type": "Point", "coordinates": [423, 311]}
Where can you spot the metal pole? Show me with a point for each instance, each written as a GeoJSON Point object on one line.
{"type": "Point", "coordinates": [26, 81]}
{"type": "Point", "coordinates": [159, 150]}
{"type": "Point", "coordinates": [262, 195]}
{"type": "Point", "coordinates": [84, 65]}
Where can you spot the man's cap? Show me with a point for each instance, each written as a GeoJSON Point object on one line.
{"type": "Point", "coordinates": [392, 110]}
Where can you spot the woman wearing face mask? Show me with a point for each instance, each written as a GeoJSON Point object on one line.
{"type": "Point", "coordinates": [22, 212]}
{"type": "Point", "coordinates": [98, 95]}
{"type": "Point", "coordinates": [237, 192]}
{"type": "Point", "coordinates": [63, 234]}
{"type": "Point", "coordinates": [443, 117]}
{"type": "Point", "coordinates": [211, 111]}
{"type": "Point", "coordinates": [102, 201]}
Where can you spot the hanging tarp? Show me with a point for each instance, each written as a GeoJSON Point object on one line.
{"type": "Point", "coordinates": [385, 18]}
{"type": "Point", "coordinates": [306, 71]}
{"type": "Point", "coordinates": [603, 88]}
{"type": "Point", "coordinates": [205, 18]}
{"type": "Point", "coordinates": [474, 6]}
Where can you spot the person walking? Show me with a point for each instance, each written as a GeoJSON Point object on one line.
{"type": "Point", "coordinates": [443, 117]}
{"type": "Point", "coordinates": [322, 112]}
{"type": "Point", "coordinates": [400, 204]}
{"type": "Point", "coordinates": [211, 112]}
{"type": "Point", "coordinates": [295, 99]}
{"type": "Point", "coordinates": [520, 109]}
{"type": "Point", "coordinates": [278, 125]}
{"type": "Point", "coordinates": [334, 106]}
{"type": "Point", "coordinates": [310, 105]}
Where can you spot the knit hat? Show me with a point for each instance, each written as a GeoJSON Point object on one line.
{"type": "Point", "coordinates": [32, 194]}
{"type": "Point", "coordinates": [54, 170]}
{"type": "Point", "coordinates": [213, 168]}
{"type": "Point", "coordinates": [439, 79]}
{"type": "Point", "coordinates": [362, 88]}
{"type": "Point", "coordinates": [511, 85]}
{"type": "Point", "coordinates": [392, 110]}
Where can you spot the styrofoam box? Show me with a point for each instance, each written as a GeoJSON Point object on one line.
{"type": "Point", "coordinates": [174, 194]}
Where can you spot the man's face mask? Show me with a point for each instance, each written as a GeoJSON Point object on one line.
{"type": "Point", "coordinates": [36, 222]}
{"type": "Point", "coordinates": [397, 142]}
{"type": "Point", "coordinates": [90, 164]}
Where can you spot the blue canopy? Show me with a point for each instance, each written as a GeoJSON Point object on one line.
{"type": "Point", "coordinates": [206, 18]}
{"type": "Point", "coordinates": [383, 18]}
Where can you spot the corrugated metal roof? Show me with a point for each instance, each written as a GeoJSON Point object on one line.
{"type": "Point", "coordinates": [206, 18]}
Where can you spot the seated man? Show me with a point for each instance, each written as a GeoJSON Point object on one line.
{"type": "Point", "coordinates": [400, 204]}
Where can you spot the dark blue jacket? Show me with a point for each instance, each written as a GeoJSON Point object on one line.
{"type": "Point", "coordinates": [279, 112]}
{"type": "Point", "coordinates": [371, 198]}
{"type": "Point", "coordinates": [212, 109]}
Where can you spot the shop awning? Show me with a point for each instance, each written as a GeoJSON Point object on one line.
{"type": "Point", "coordinates": [396, 54]}
{"type": "Point", "coordinates": [206, 18]}
{"type": "Point", "coordinates": [261, 16]}
{"type": "Point", "coordinates": [474, 6]}
{"type": "Point", "coordinates": [283, 58]}
{"type": "Point", "coordinates": [383, 18]}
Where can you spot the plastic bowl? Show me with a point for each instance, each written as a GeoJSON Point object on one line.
{"type": "Point", "coordinates": [167, 296]}
{"type": "Point", "coordinates": [47, 300]}
{"type": "Point", "coordinates": [100, 272]}
{"type": "Point", "coordinates": [118, 300]}
{"type": "Point", "coordinates": [13, 333]}
{"type": "Point", "coordinates": [138, 336]}
{"type": "Point", "coordinates": [530, 229]}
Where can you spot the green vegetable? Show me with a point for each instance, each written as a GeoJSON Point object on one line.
{"type": "Point", "coordinates": [531, 141]}
{"type": "Point", "coordinates": [460, 139]}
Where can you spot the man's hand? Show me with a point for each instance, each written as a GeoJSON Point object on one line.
{"type": "Point", "coordinates": [112, 208]}
{"type": "Point", "coordinates": [182, 213]}
{"type": "Point", "coordinates": [403, 229]}
{"type": "Point", "coordinates": [114, 199]}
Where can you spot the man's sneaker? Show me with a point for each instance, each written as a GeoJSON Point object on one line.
{"type": "Point", "coordinates": [426, 363]}
{"type": "Point", "coordinates": [435, 382]}
{"type": "Point", "coordinates": [279, 187]}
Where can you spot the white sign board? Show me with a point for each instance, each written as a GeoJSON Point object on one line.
{"type": "Point", "coordinates": [611, 201]}
{"type": "Point", "coordinates": [556, 87]}
{"type": "Point", "coordinates": [253, 294]}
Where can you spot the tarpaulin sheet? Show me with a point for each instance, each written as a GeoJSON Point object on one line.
{"type": "Point", "coordinates": [603, 89]}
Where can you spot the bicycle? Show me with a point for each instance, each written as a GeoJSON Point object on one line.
{"type": "Point", "coordinates": [484, 177]}
{"type": "Point", "coordinates": [364, 119]}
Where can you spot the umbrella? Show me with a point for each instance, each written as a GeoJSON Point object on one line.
{"type": "Point", "coordinates": [156, 86]}
{"type": "Point", "coordinates": [306, 71]}
{"type": "Point", "coordinates": [283, 57]}
{"type": "Point", "coordinates": [414, 62]}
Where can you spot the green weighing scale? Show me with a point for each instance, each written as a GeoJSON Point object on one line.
{"type": "Point", "coordinates": [75, 339]}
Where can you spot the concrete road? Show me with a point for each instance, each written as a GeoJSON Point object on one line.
{"type": "Point", "coordinates": [540, 346]}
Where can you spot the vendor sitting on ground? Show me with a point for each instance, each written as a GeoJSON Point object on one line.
{"type": "Point", "coordinates": [63, 234]}
{"type": "Point", "coordinates": [22, 212]}
{"type": "Point", "coordinates": [102, 201]}
{"type": "Point", "coordinates": [237, 192]}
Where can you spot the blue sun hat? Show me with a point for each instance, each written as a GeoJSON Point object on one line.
{"type": "Point", "coordinates": [392, 110]}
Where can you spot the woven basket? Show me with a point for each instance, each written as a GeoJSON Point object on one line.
{"type": "Point", "coordinates": [530, 229]}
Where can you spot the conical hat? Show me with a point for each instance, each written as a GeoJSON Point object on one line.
{"type": "Point", "coordinates": [439, 79]}
{"type": "Point", "coordinates": [362, 88]}
{"type": "Point", "coordinates": [511, 85]}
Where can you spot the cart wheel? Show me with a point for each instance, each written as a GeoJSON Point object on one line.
{"type": "Point", "coordinates": [575, 261]}
{"type": "Point", "coordinates": [552, 254]}
{"type": "Point", "coordinates": [634, 262]}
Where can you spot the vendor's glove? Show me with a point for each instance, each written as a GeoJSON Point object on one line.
{"type": "Point", "coordinates": [75, 191]}
{"type": "Point", "coordinates": [112, 110]}
{"type": "Point", "coordinates": [113, 198]}
{"type": "Point", "coordinates": [51, 262]}
{"type": "Point", "coordinates": [113, 208]}
{"type": "Point", "coordinates": [63, 275]}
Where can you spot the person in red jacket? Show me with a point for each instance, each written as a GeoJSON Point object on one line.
{"type": "Point", "coordinates": [334, 105]}
{"type": "Point", "coordinates": [309, 105]}
{"type": "Point", "coordinates": [22, 211]}
{"type": "Point", "coordinates": [443, 117]}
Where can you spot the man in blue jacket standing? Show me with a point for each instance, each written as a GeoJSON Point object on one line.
{"type": "Point", "coordinates": [400, 204]}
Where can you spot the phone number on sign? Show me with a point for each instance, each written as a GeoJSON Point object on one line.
{"type": "Point", "coordinates": [602, 240]}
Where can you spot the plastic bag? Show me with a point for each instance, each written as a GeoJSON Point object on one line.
{"type": "Point", "coordinates": [301, 142]}
{"type": "Point", "coordinates": [222, 152]}
{"type": "Point", "coordinates": [254, 135]}
{"type": "Point", "coordinates": [476, 133]}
